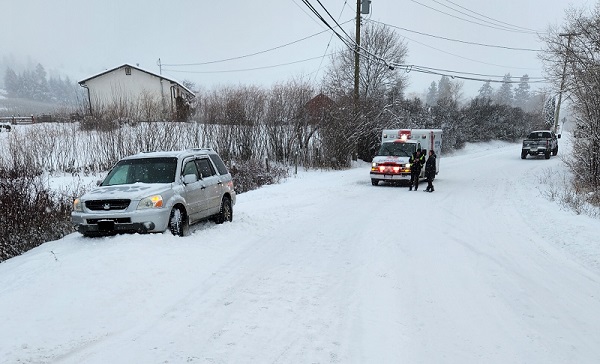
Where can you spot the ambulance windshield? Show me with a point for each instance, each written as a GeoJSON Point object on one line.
{"type": "Point", "coordinates": [396, 149]}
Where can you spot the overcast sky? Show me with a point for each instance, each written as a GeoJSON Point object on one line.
{"type": "Point", "coordinates": [81, 38]}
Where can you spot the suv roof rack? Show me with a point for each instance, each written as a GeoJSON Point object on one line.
{"type": "Point", "coordinates": [200, 149]}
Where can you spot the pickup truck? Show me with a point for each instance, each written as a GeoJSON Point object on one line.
{"type": "Point", "coordinates": [540, 142]}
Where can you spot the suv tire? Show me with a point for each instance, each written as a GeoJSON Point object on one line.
{"type": "Point", "coordinates": [178, 222]}
{"type": "Point", "coordinates": [226, 212]}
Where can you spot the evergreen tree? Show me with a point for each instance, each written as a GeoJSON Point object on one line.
{"type": "Point", "coordinates": [432, 95]}
{"type": "Point", "coordinates": [11, 82]}
{"type": "Point", "coordinates": [40, 84]}
{"type": "Point", "coordinates": [504, 96]}
{"type": "Point", "coordinates": [444, 89]}
{"type": "Point", "coordinates": [522, 93]}
{"type": "Point", "coordinates": [27, 85]}
{"type": "Point", "coordinates": [486, 91]}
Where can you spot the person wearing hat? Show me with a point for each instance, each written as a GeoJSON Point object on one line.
{"type": "Point", "coordinates": [416, 164]}
{"type": "Point", "coordinates": [430, 171]}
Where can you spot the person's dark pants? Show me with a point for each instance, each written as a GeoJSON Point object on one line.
{"type": "Point", "coordinates": [430, 183]}
{"type": "Point", "coordinates": [414, 179]}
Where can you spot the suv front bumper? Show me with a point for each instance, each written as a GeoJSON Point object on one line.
{"type": "Point", "coordinates": [139, 221]}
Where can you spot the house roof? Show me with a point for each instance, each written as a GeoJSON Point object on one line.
{"type": "Point", "coordinates": [82, 82]}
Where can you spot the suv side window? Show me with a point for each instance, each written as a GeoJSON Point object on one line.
{"type": "Point", "coordinates": [205, 167]}
{"type": "Point", "coordinates": [190, 168]}
{"type": "Point", "coordinates": [219, 163]}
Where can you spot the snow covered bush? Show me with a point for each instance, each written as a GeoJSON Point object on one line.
{"type": "Point", "coordinates": [31, 214]}
{"type": "Point", "coordinates": [252, 174]}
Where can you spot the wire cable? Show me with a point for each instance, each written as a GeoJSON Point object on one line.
{"type": "Point", "coordinates": [248, 69]}
{"type": "Point", "coordinates": [458, 40]}
{"type": "Point", "coordinates": [469, 59]}
{"type": "Point", "coordinates": [247, 55]}
{"type": "Point", "coordinates": [473, 22]}
{"type": "Point", "coordinates": [487, 17]}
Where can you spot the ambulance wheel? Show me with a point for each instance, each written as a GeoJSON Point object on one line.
{"type": "Point", "coordinates": [375, 182]}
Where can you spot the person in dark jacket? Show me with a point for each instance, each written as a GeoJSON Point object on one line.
{"type": "Point", "coordinates": [430, 170]}
{"type": "Point", "coordinates": [416, 164]}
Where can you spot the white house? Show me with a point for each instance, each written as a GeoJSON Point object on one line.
{"type": "Point", "coordinates": [131, 87]}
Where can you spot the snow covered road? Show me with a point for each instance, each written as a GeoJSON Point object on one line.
{"type": "Point", "coordinates": [326, 268]}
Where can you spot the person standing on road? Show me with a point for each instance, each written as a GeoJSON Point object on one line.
{"type": "Point", "coordinates": [416, 164]}
{"type": "Point", "coordinates": [430, 170]}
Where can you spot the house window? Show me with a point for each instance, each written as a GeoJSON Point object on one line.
{"type": "Point", "coordinates": [128, 71]}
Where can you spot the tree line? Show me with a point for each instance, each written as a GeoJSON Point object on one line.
{"type": "Point", "coordinates": [34, 84]}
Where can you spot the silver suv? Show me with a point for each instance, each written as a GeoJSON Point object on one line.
{"type": "Point", "coordinates": [153, 192]}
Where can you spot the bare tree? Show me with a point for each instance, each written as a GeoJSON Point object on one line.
{"type": "Point", "coordinates": [572, 60]}
{"type": "Point", "coordinates": [380, 86]}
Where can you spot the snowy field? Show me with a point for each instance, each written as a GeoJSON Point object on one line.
{"type": "Point", "coordinates": [325, 268]}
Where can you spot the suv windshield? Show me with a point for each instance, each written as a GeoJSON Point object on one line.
{"type": "Point", "coordinates": [396, 149]}
{"type": "Point", "coordinates": [143, 170]}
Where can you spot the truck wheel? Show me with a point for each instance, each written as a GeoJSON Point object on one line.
{"type": "Point", "coordinates": [555, 151]}
{"type": "Point", "coordinates": [547, 155]}
{"type": "Point", "coordinates": [523, 154]}
{"type": "Point", "coordinates": [374, 182]}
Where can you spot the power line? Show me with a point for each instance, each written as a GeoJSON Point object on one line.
{"type": "Point", "coordinates": [329, 43]}
{"type": "Point", "coordinates": [468, 59]}
{"type": "Point", "coordinates": [487, 17]}
{"type": "Point", "coordinates": [247, 69]}
{"type": "Point", "coordinates": [247, 55]}
{"type": "Point", "coordinates": [420, 69]}
{"type": "Point", "coordinates": [457, 40]}
{"type": "Point", "coordinates": [461, 72]}
{"type": "Point", "coordinates": [348, 41]}
{"type": "Point", "coordinates": [473, 22]}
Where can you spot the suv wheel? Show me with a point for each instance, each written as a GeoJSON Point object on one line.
{"type": "Point", "coordinates": [178, 222]}
{"type": "Point", "coordinates": [226, 213]}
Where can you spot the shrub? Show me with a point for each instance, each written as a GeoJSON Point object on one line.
{"type": "Point", "coordinates": [252, 174]}
{"type": "Point", "coordinates": [31, 213]}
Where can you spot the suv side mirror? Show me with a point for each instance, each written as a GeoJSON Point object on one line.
{"type": "Point", "coordinates": [190, 178]}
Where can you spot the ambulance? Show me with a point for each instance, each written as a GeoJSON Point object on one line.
{"type": "Point", "coordinates": [391, 164]}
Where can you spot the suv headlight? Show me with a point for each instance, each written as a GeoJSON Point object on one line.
{"type": "Point", "coordinates": [77, 205]}
{"type": "Point", "coordinates": [151, 202]}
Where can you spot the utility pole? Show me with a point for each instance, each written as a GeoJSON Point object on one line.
{"type": "Point", "coordinates": [562, 81]}
{"type": "Point", "coordinates": [362, 7]}
{"type": "Point", "coordinates": [162, 91]}
{"type": "Point", "coordinates": [356, 57]}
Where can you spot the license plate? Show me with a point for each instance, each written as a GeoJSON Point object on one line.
{"type": "Point", "coordinates": [106, 225]}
